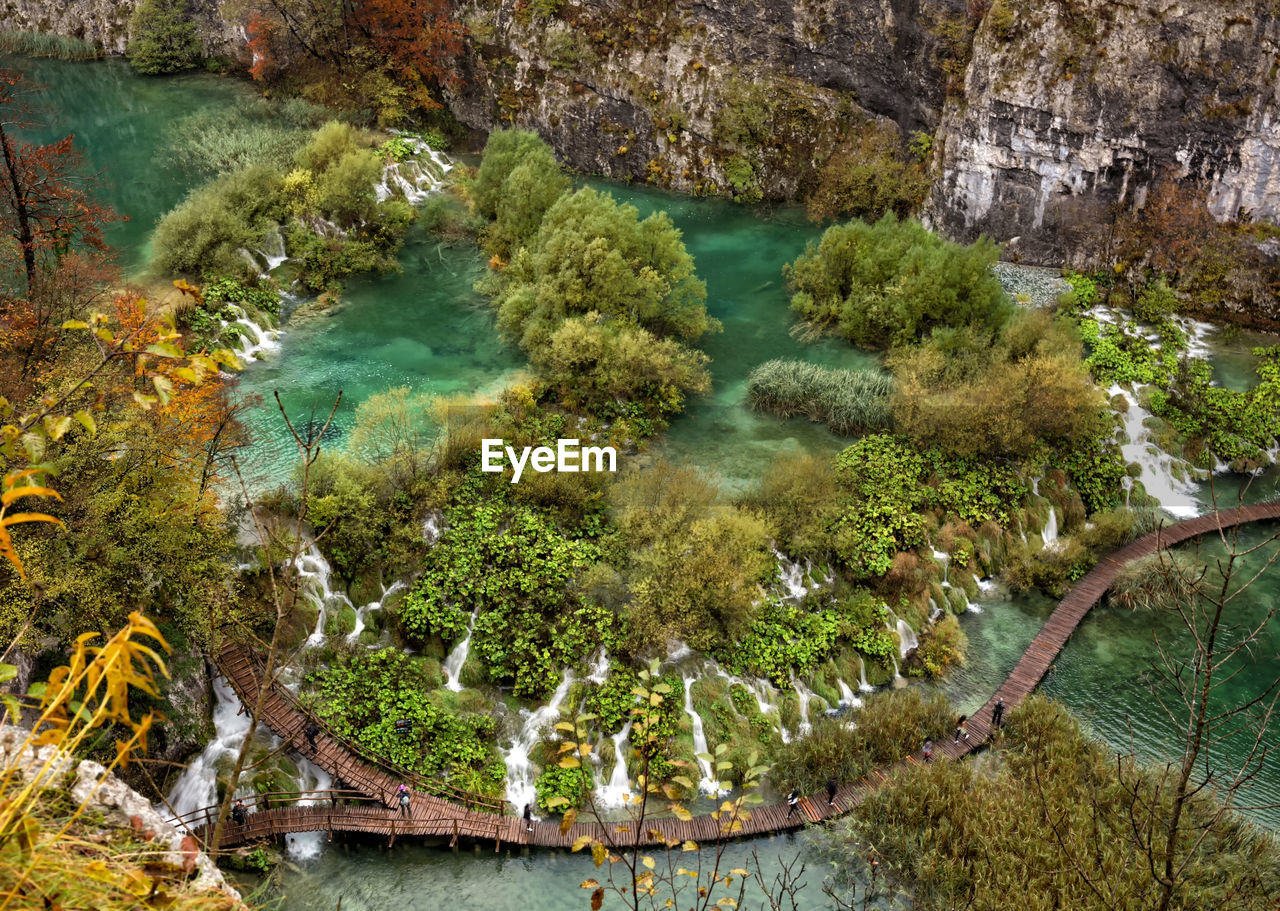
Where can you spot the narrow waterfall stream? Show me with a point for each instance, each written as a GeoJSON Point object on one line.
{"type": "Point", "coordinates": [520, 769]}
{"type": "Point", "coordinates": [197, 786]}
{"type": "Point", "coordinates": [615, 793]}
{"type": "Point", "coordinates": [452, 666]}
{"type": "Point", "coordinates": [708, 783]}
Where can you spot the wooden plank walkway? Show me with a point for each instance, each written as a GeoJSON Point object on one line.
{"type": "Point", "coordinates": [439, 811]}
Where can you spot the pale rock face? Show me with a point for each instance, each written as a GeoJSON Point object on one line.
{"type": "Point", "coordinates": [114, 798]}
{"type": "Point", "coordinates": [1066, 114]}
{"type": "Point", "coordinates": [105, 23]}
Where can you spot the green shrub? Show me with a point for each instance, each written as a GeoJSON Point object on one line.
{"type": "Point", "coordinates": [528, 191]}
{"type": "Point", "coordinates": [164, 39]}
{"type": "Point", "coordinates": [204, 234]}
{"type": "Point", "coordinates": [890, 725]}
{"type": "Point", "coordinates": [892, 282]}
{"type": "Point", "coordinates": [847, 401]}
{"type": "Point", "coordinates": [571, 784]}
{"type": "Point", "coordinates": [870, 175]}
{"type": "Point", "coordinates": [504, 151]}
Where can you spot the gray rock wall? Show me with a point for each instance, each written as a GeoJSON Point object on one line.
{"type": "Point", "coordinates": [105, 23]}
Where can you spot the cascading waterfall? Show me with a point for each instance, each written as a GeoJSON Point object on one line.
{"type": "Point", "coordinates": [945, 559]}
{"type": "Point", "coordinates": [254, 340]}
{"type": "Point", "coordinates": [934, 611]}
{"type": "Point", "coordinates": [414, 178]}
{"type": "Point", "coordinates": [907, 639]}
{"type": "Point", "coordinates": [308, 845]}
{"type": "Point", "coordinates": [618, 789]}
{"type": "Point", "coordinates": [793, 575]}
{"type": "Point", "coordinates": [805, 696]}
{"type": "Point", "coordinates": [1166, 478]}
{"type": "Point", "coordinates": [762, 690]}
{"type": "Point", "coordinates": [1050, 531]}
{"type": "Point", "coordinates": [600, 669]}
{"type": "Point", "coordinates": [458, 657]}
{"type": "Point", "coordinates": [197, 786]}
{"type": "Point", "coordinates": [431, 528]}
{"type": "Point", "coordinates": [708, 784]}
{"type": "Point", "coordinates": [520, 774]}
{"type": "Point", "coordinates": [862, 677]}
{"type": "Point", "coordinates": [315, 572]}
{"type": "Point", "coordinates": [362, 614]}
{"type": "Point", "coordinates": [847, 698]}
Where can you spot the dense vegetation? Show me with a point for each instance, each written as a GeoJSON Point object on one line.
{"type": "Point", "coordinates": [891, 282]}
{"type": "Point", "coordinates": [1053, 820]}
{"type": "Point", "coordinates": [847, 401]}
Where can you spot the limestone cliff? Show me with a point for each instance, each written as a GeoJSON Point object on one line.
{"type": "Point", "coordinates": [1073, 106]}
{"type": "Point", "coordinates": [105, 23]}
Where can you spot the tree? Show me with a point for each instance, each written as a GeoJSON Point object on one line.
{"type": "Point", "coordinates": [44, 205]}
{"type": "Point", "coordinates": [164, 39]}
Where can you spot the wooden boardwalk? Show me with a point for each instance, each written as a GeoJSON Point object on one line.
{"type": "Point", "coordinates": [436, 810]}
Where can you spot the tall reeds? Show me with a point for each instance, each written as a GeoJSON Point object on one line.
{"type": "Point", "coordinates": [847, 401]}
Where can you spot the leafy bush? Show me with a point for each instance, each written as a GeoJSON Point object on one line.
{"type": "Point", "coordinates": [504, 151]}
{"type": "Point", "coordinates": [942, 645]}
{"type": "Point", "coordinates": [570, 784]}
{"type": "Point", "coordinates": [363, 696]}
{"type": "Point", "coordinates": [891, 724]}
{"type": "Point", "coordinates": [525, 194]}
{"type": "Point", "coordinates": [847, 401]}
{"type": "Point", "coordinates": [204, 234]}
{"type": "Point", "coordinates": [891, 282]}
{"type": "Point", "coordinates": [164, 39]}
{"type": "Point", "coordinates": [870, 176]}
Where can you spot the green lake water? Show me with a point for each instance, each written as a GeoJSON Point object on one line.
{"type": "Point", "coordinates": [427, 328]}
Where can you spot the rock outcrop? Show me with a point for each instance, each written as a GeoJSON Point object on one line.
{"type": "Point", "coordinates": [1072, 108]}
{"type": "Point", "coordinates": [105, 23]}
{"type": "Point", "coordinates": [122, 807]}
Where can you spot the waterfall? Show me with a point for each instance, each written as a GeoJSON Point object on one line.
{"type": "Point", "coordinates": [600, 669]}
{"type": "Point", "coordinates": [792, 575]}
{"type": "Point", "coordinates": [363, 612]}
{"type": "Point", "coordinates": [847, 698]}
{"type": "Point", "coordinates": [254, 339]}
{"type": "Point", "coordinates": [762, 690]}
{"type": "Point", "coordinates": [520, 774]}
{"type": "Point", "coordinates": [308, 845]}
{"type": "Point", "coordinates": [314, 573]}
{"type": "Point", "coordinates": [708, 784]}
{"type": "Point", "coordinates": [414, 178]}
{"type": "Point", "coordinates": [862, 676]}
{"type": "Point", "coordinates": [458, 657]}
{"type": "Point", "coordinates": [197, 786]}
{"type": "Point", "coordinates": [945, 559]}
{"type": "Point", "coordinates": [616, 792]}
{"type": "Point", "coordinates": [934, 610]}
{"type": "Point", "coordinates": [431, 528]}
{"type": "Point", "coordinates": [805, 695]}
{"type": "Point", "coordinates": [1165, 477]}
{"type": "Point", "coordinates": [1050, 531]}
{"type": "Point", "coordinates": [907, 639]}
{"type": "Point", "coordinates": [898, 679]}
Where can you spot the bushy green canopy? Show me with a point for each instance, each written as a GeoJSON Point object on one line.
{"type": "Point", "coordinates": [889, 283]}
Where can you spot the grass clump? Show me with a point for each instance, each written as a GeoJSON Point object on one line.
{"type": "Point", "coordinates": [847, 401]}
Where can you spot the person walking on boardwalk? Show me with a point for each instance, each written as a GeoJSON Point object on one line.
{"type": "Point", "coordinates": [962, 728]}
{"type": "Point", "coordinates": [926, 751]}
{"type": "Point", "coordinates": [528, 817]}
{"type": "Point", "coordinates": [832, 785]}
{"type": "Point", "coordinates": [237, 812]}
{"type": "Point", "coordinates": [793, 802]}
{"type": "Point", "coordinates": [311, 732]}
{"type": "Point", "coordinates": [404, 800]}
{"type": "Point", "coordinates": [997, 713]}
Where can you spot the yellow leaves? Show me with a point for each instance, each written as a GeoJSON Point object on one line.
{"type": "Point", "coordinates": [12, 492]}
{"type": "Point", "coordinates": [689, 846]}
{"type": "Point", "coordinates": [647, 861]}
{"type": "Point", "coordinates": [589, 884]}
{"type": "Point", "coordinates": [567, 821]}
{"type": "Point", "coordinates": [579, 843]}
{"type": "Point", "coordinates": [599, 853]}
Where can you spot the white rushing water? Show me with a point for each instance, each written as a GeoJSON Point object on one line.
{"type": "Point", "coordinates": [458, 657]}
{"type": "Point", "coordinates": [520, 770]}
{"type": "Point", "coordinates": [1166, 478]}
{"type": "Point", "coordinates": [415, 178]}
{"type": "Point", "coordinates": [197, 786]}
{"type": "Point", "coordinates": [600, 669]}
{"type": "Point", "coordinates": [314, 572]}
{"type": "Point", "coordinates": [708, 783]}
{"type": "Point", "coordinates": [847, 697]}
{"type": "Point", "coordinates": [308, 845]}
{"type": "Point", "coordinates": [862, 677]}
{"type": "Point", "coordinates": [431, 528]}
{"type": "Point", "coordinates": [805, 697]}
{"type": "Point", "coordinates": [254, 340]}
{"type": "Point", "coordinates": [907, 639]}
{"type": "Point", "coordinates": [1050, 531]}
{"type": "Point", "coordinates": [362, 613]}
{"type": "Point", "coordinates": [616, 791]}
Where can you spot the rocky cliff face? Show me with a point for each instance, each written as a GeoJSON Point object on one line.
{"type": "Point", "coordinates": [105, 23]}
{"type": "Point", "coordinates": [715, 96]}
{"type": "Point", "coordinates": [1072, 107]}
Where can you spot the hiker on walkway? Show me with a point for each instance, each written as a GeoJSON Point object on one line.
{"type": "Point", "coordinates": [528, 817]}
{"type": "Point", "coordinates": [311, 732]}
{"type": "Point", "coordinates": [237, 812]}
{"type": "Point", "coordinates": [793, 801]}
{"type": "Point", "coordinates": [962, 728]}
{"type": "Point", "coordinates": [404, 800]}
{"type": "Point", "coordinates": [927, 751]}
{"type": "Point", "coordinates": [832, 785]}
{"type": "Point", "coordinates": [997, 713]}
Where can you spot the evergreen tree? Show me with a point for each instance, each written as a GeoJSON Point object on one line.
{"type": "Point", "coordinates": [165, 40]}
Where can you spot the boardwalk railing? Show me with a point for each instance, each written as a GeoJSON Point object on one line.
{"type": "Point", "coordinates": [245, 670]}
{"type": "Point", "coordinates": [260, 803]}
{"type": "Point", "coordinates": [439, 813]}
